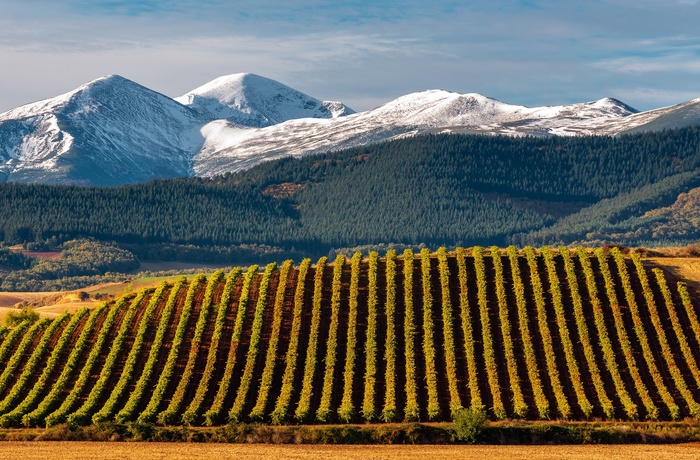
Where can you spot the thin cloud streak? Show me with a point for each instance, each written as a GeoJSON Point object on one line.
{"type": "Point", "coordinates": [360, 52]}
{"type": "Point", "coordinates": [656, 96]}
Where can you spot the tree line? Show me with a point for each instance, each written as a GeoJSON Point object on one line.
{"type": "Point", "coordinates": [433, 189]}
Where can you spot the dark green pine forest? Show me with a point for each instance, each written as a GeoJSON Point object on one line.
{"type": "Point", "coordinates": [435, 189]}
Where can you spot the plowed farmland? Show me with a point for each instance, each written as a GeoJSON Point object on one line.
{"type": "Point", "coordinates": [533, 334]}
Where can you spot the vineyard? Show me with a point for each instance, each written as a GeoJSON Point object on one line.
{"type": "Point", "coordinates": [525, 334]}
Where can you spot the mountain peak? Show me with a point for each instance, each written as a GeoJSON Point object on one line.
{"type": "Point", "coordinates": [614, 105]}
{"type": "Point", "coordinates": [91, 88]}
{"type": "Point", "coordinates": [110, 130]}
{"type": "Point", "coordinates": [251, 100]}
{"type": "Point", "coordinates": [108, 79]}
{"type": "Point", "coordinates": [227, 86]}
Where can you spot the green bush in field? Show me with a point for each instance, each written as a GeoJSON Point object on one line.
{"type": "Point", "coordinates": [468, 424]}
{"type": "Point", "coordinates": [23, 314]}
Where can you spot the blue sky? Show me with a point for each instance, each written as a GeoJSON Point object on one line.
{"type": "Point", "coordinates": [363, 53]}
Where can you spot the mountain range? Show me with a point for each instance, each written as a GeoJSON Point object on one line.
{"type": "Point", "coordinates": [114, 131]}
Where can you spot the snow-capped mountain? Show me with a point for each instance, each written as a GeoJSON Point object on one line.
{"type": "Point", "coordinates": [254, 101]}
{"type": "Point", "coordinates": [113, 131]}
{"type": "Point", "coordinates": [676, 116]}
{"type": "Point", "coordinates": [229, 148]}
{"type": "Point", "coordinates": [109, 131]}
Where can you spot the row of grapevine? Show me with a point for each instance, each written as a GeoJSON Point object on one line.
{"type": "Point", "coordinates": [194, 408]}
{"type": "Point", "coordinates": [187, 375]}
{"type": "Point", "coordinates": [19, 385]}
{"type": "Point", "coordinates": [628, 405]}
{"type": "Point", "coordinates": [412, 410]}
{"type": "Point", "coordinates": [389, 411]}
{"type": "Point", "coordinates": [368, 407]}
{"type": "Point", "coordinates": [15, 334]}
{"type": "Point", "coordinates": [468, 332]}
{"type": "Point", "coordinates": [324, 410]}
{"type": "Point", "coordinates": [169, 415]}
{"type": "Point", "coordinates": [652, 410]}
{"type": "Point", "coordinates": [346, 411]}
{"type": "Point", "coordinates": [83, 415]}
{"type": "Point", "coordinates": [625, 344]}
{"type": "Point", "coordinates": [150, 413]}
{"type": "Point", "coordinates": [519, 407]}
{"type": "Point", "coordinates": [640, 331]}
{"type": "Point", "coordinates": [303, 409]}
{"type": "Point", "coordinates": [258, 411]}
{"type": "Point", "coordinates": [547, 342]}
{"type": "Point", "coordinates": [131, 406]}
{"type": "Point", "coordinates": [489, 355]}
{"type": "Point", "coordinates": [66, 408]}
{"type": "Point", "coordinates": [13, 416]}
{"type": "Point", "coordinates": [428, 339]}
{"type": "Point", "coordinates": [571, 364]}
{"type": "Point", "coordinates": [279, 414]}
{"type": "Point", "coordinates": [236, 411]}
{"type": "Point", "coordinates": [448, 334]}
{"type": "Point", "coordinates": [660, 333]}
{"type": "Point", "coordinates": [115, 398]}
{"type": "Point", "coordinates": [41, 371]}
{"type": "Point", "coordinates": [16, 359]}
{"type": "Point", "coordinates": [584, 338]}
{"type": "Point", "coordinates": [36, 416]}
{"type": "Point", "coordinates": [689, 309]}
{"type": "Point", "coordinates": [214, 414]}
{"type": "Point", "coordinates": [672, 313]}
{"type": "Point", "coordinates": [533, 373]}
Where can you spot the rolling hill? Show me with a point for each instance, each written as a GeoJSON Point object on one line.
{"type": "Point", "coordinates": [436, 189]}
{"type": "Point", "coordinates": [523, 334]}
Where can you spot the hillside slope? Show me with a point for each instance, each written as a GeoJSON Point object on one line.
{"type": "Point", "coordinates": [437, 190]}
{"type": "Point", "coordinates": [553, 335]}
{"type": "Point", "coordinates": [110, 131]}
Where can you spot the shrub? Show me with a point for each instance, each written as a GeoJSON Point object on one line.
{"type": "Point", "coordinates": [14, 318]}
{"type": "Point", "coordinates": [468, 424]}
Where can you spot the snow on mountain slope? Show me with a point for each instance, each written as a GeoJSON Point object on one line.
{"type": "Point", "coordinates": [675, 116]}
{"type": "Point", "coordinates": [114, 131]}
{"type": "Point", "coordinates": [228, 148]}
{"type": "Point", "coordinates": [251, 100]}
{"type": "Point", "coordinates": [109, 131]}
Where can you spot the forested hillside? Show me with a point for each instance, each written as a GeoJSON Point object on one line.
{"type": "Point", "coordinates": [438, 189]}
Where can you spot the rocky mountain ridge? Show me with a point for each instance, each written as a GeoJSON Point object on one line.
{"type": "Point", "coordinates": [114, 131]}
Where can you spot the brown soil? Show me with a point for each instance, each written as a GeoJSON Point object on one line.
{"type": "Point", "coordinates": [183, 354]}
{"type": "Point", "coordinates": [86, 352]}
{"type": "Point", "coordinates": [436, 314]}
{"type": "Point", "coordinates": [685, 268]}
{"type": "Point", "coordinates": [43, 254]}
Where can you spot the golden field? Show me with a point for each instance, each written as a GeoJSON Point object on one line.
{"type": "Point", "coordinates": [183, 451]}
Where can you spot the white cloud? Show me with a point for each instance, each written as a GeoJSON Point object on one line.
{"type": "Point", "coordinates": [363, 53]}
{"type": "Point", "coordinates": [645, 64]}
{"type": "Point", "coordinates": [656, 96]}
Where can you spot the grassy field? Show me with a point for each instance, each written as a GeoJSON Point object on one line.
{"type": "Point", "coordinates": [178, 451]}
{"type": "Point", "coordinates": [687, 268]}
{"type": "Point", "coordinates": [52, 304]}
